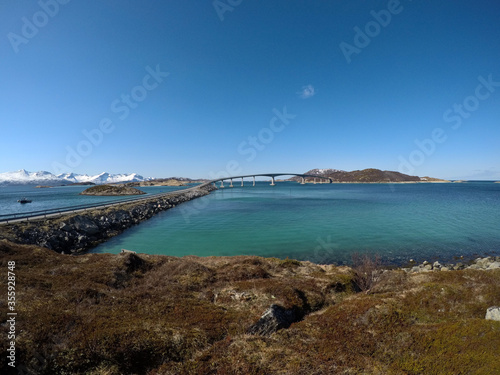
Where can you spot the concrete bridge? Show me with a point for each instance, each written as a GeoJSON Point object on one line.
{"type": "Point", "coordinates": [45, 214]}
{"type": "Point", "coordinates": [271, 175]}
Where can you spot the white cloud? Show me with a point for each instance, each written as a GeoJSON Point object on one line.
{"type": "Point", "coordinates": [307, 92]}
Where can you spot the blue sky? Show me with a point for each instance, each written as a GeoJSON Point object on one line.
{"type": "Point", "coordinates": [205, 88]}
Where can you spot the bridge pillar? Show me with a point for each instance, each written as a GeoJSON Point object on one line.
{"type": "Point", "coordinates": [314, 179]}
{"type": "Point", "coordinates": [231, 185]}
{"type": "Point", "coordinates": [272, 181]}
{"type": "Point", "coordinates": [242, 181]}
{"type": "Point", "coordinates": [253, 180]}
{"type": "Point", "coordinates": [222, 183]}
{"type": "Point", "coordinates": [303, 182]}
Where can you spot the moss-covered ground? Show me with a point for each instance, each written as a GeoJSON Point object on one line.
{"type": "Point", "coordinates": [146, 314]}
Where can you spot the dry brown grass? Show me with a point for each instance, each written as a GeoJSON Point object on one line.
{"type": "Point", "coordinates": [146, 314]}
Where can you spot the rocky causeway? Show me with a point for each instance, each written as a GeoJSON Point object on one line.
{"type": "Point", "coordinates": [77, 233]}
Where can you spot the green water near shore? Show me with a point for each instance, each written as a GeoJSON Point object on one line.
{"type": "Point", "coordinates": [326, 223]}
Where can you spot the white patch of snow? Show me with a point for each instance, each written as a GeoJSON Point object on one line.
{"type": "Point", "coordinates": [42, 177]}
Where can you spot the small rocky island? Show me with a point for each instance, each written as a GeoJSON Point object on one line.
{"type": "Point", "coordinates": [111, 190]}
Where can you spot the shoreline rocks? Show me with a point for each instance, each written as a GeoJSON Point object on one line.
{"type": "Point", "coordinates": [81, 232]}
{"type": "Point", "coordinates": [493, 313]}
{"type": "Point", "coordinates": [487, 263]}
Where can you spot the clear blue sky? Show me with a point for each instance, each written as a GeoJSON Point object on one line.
{"type": "Point", "coordinates": [352, 100]}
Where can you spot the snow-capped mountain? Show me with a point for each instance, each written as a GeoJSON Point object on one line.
{"type": "Point", "coordinates": [321, 172]}
{"type": "Point", "coordinates": [102, 178]}
{"type": "Point", "coordinates": [23, 177]}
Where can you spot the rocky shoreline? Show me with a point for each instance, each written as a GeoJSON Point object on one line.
{"type": "Point", "coordinates": [486, 263]}
{"type": "Point", "coordinates": [78, 233]}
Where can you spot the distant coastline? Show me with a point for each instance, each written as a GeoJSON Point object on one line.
{"type": "Point", "coordinates": [369, 175]}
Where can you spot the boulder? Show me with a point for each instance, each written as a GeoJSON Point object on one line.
{"type": "Point", "coordinates": [483, 262]}
{"type": "Point", "coordinates": [493, 313]}
{"type": "Point", "coordinates": [274, 318]}
{"type": "Point", "coordinates": [494, 265]}
{"type": "Point", "coordinates": [65, 227]}
{"type": "Point", "coordinates": [84, 225]}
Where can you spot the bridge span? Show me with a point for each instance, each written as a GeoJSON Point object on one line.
{"type": "Point", "coordinates": [54, 212]}
{"type": "Point", "coordinates": [271, 175]}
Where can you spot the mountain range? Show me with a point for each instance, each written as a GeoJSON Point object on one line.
{"type": "Point", "coordinates": [23, 177]}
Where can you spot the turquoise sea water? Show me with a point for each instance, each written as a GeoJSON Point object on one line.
{"type": "Point", "coordinates": [326, 223]}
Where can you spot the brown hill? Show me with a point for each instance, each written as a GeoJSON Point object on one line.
{"type": "Point", "coordinates": [366, 175]}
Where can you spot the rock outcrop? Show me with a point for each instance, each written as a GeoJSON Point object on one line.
{"type": "Point", "coordinates": [274, 318]}
{"type": "Point", "coordinates": [111, 190]}
{"type": "Point", "coordinates": [493, 313]}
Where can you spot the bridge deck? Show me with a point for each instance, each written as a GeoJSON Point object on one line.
{"type": "Point", "coordinates": [272, 175]}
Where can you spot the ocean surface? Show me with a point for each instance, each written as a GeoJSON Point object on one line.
{"type": "Point", "coordinates": [323, 223]}
{"type": "Point", "coordinates": [327, 223]}
{"type": "Point", "coordinates": [57, 197]}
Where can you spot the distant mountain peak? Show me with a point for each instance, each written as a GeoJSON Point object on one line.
{"type": "Point", "coordinates": [24, 177]}
{"type": "Point", "coordinates": [324, 171]}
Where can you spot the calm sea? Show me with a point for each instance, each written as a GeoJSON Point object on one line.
{"type": "Point", "coordinates": [56, 197]}
{"type": "Point", "coordinates": [327, 223]}
{"type": "Point", "coordinates": [323, 223]}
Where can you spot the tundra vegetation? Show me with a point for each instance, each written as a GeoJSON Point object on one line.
{"type": "Point", "coordinates": [151, 314]}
